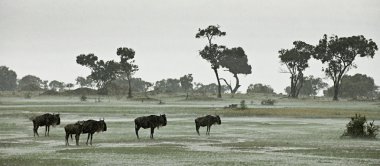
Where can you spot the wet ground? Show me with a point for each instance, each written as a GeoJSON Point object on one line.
{"type": "Point", "coordinates": [243, 140]}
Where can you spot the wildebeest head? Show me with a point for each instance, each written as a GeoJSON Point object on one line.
{"type": "Point", "coordinates": [218, 120]}
{"type": "Point", "coordinates": [103, 125]}
{"type": "Point", "coordinates": [163, 121]}
{"type": "Point", "coordinates": [56, 119]}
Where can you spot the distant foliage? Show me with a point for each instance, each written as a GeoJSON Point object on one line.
{"type": "Point", "coordinates": [358, 85]}
{"type": "Point", "coordinates": [8, 79]}
{"type": "Point", "coordinates": [208, 89]}
{"type": "Point", "coordinates": [359, 128]}
{"type": "Point", "coordinates": [30, 83]}
{"type": "Point", "coordinates": [259, 88]}
{"type": "Point", "coordinates": [310, 86]}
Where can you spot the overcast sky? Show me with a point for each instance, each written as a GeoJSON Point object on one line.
{"type": "Point", "coordinates": [43, 38]}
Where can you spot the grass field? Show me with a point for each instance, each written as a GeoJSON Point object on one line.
{"type": "Point", "coordinates": [292, 132]}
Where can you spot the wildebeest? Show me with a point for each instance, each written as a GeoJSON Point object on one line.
{"type": "Point", "coordinates": [208, 121]}
{"type": "Point", "coordinates": [76, 129]}
{"type": "Point", "coordinates": [151, 121]}
{"type": "Point", "coordinates": [92, 126]}
{"type": "Point", "coordinates": [45, 120]}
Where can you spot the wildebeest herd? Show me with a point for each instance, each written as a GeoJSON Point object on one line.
{"type": "Point", "coordinates": [92, 126]}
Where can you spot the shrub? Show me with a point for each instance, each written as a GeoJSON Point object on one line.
{"type": "Point", "coordinates": [83, 98]}
{"type": "Point", "coordinates": [268, 102]}
{"type": "Point", "coordinates": [359, 128]}
{"type": "Point", "coordinates": [243, 106]}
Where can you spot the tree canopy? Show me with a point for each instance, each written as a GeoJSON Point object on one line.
{"type": "Point", "coordinates": [259, 88]}
{"type": "Point", "coordinates": [236, 62]}
{"type": "Point", "coordinates": [30, 83]}
{"type": "Point", "coordinates": [339, 54]}
{"type": "Point", "coordinates": [358, 85]}
{"type": "Point", "coordinates": [186, 83]}
{"type": "Point", "coordinates": [8, 79]}
{"type": "Point", "coordinates": [296, 61]}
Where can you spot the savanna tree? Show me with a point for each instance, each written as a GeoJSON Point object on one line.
{"type": "Point", "coordinates": [186, 83]}
{"type": "Point", "coordinates": [69, 85]}
{"type": "Point", "coordinates": [358, 85]}
{"type": "Point", "coordinates": [84, 82]}
{"type": "Point", "coordinates": [212, 51]}
{"type": "Point", "coordinates": [55, 85]}
{"type": "Point", "coordinates": [8, 79]}
{"type": "Point", "coordinates": [127, 66]}
{"type": "Point", "coordinates": [30, 83]}
{"type": "Point", "coordinates": [236, 62]}
{"type": "Point", "coordinates": [339, 54]}
{"type": "Point", "coordinates": [296, 61]}
{"type": "Point", "coordinates": [259, 88]}
{"type": "Point", "coordinates": [101, 72]}
{"type": "Point", "coordinates": [311, 86]}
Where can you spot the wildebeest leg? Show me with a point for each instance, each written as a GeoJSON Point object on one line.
{"type": "Point", "coordinates": [76, 138]}
{"type": "Point", "coordinates": [35, 130]}
{"type": "Point", "coordinates": [91, 139]}
{"type": "Point", "coordinates": [88, 137]}
{"type": "Point", "coordinates": [151, 132]}
{"type": "Point", "coordinates": [137, 128]}
{"type": "Point", "coordinates": [209, 128]}
{"type": "Point", "coordinates": [197, 128]}
{"type": "Point", "coordinates": [67, 139]}
{"type": "Point", "coordinates": [71, 137]}
{"type": "Point", "coordinates": [48, 130]}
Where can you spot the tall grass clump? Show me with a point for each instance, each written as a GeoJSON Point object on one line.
{"type": "Point", "coordinates": [359, 128]}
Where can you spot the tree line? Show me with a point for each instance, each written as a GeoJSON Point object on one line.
{"type": "Point", "coordinates": [337, 53]}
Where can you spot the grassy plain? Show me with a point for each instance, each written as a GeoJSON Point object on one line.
{"type": "Point", "coordinates": [292, 132]}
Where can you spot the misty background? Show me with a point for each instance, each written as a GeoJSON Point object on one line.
{"type": "Point", "coordinates": [43, 38]}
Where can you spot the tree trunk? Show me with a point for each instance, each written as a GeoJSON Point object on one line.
{"type": "Point", "coordinates": [219, 86]}
{"type": "Point", "coordinates": [237, 86]}
{"type": "Point", "coordinates": [292, 87]}
{"type": "Point", "coordinates": [129, 88]}
{"type": "Point", "coordinates": [187, 95]}
{"type": "Point", "coordinates": [300, 84]}
{"type": "Point", "coordinates": [336, 91]}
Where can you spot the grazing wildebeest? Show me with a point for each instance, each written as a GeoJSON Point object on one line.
{"type": "Point", "coordinates": [92, 126]}
{"type": "Point", "coordinates": [151, 121]}
{"type": "Point", "coordinates": [71, 129]}
{"type": "Point", "coordinates": [208, 121]}
{"type": "Point", "coordinates": [45, 120]}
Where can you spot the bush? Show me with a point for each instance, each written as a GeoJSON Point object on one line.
{"type": "Point", "coordinates": [83, 98]}
{"type": "Point", "coordinates": [359, 128]}
{"type": "Point", "coordinates": [268, 102]}
{"type": "Point", "coordinates": [243, 106]}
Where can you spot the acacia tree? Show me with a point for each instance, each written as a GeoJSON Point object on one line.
{"type": "Point", "coordinates": [186, 83]}
{"type": "Point", "coordinates": [236, 62]}
{"type": "Point", "coordinates": [212, 52]}
{"type": "Point", "coordinates": [339, 54]}
{"type": "Point", "coordinates": [296, 61]}
{"type": "Point", "coordinates": [101, 72]}
{"type": "Point", "coordinates": [127, 66]}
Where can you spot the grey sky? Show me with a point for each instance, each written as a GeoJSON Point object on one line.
{"type": "Point", "coordinates": [43, 38]}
